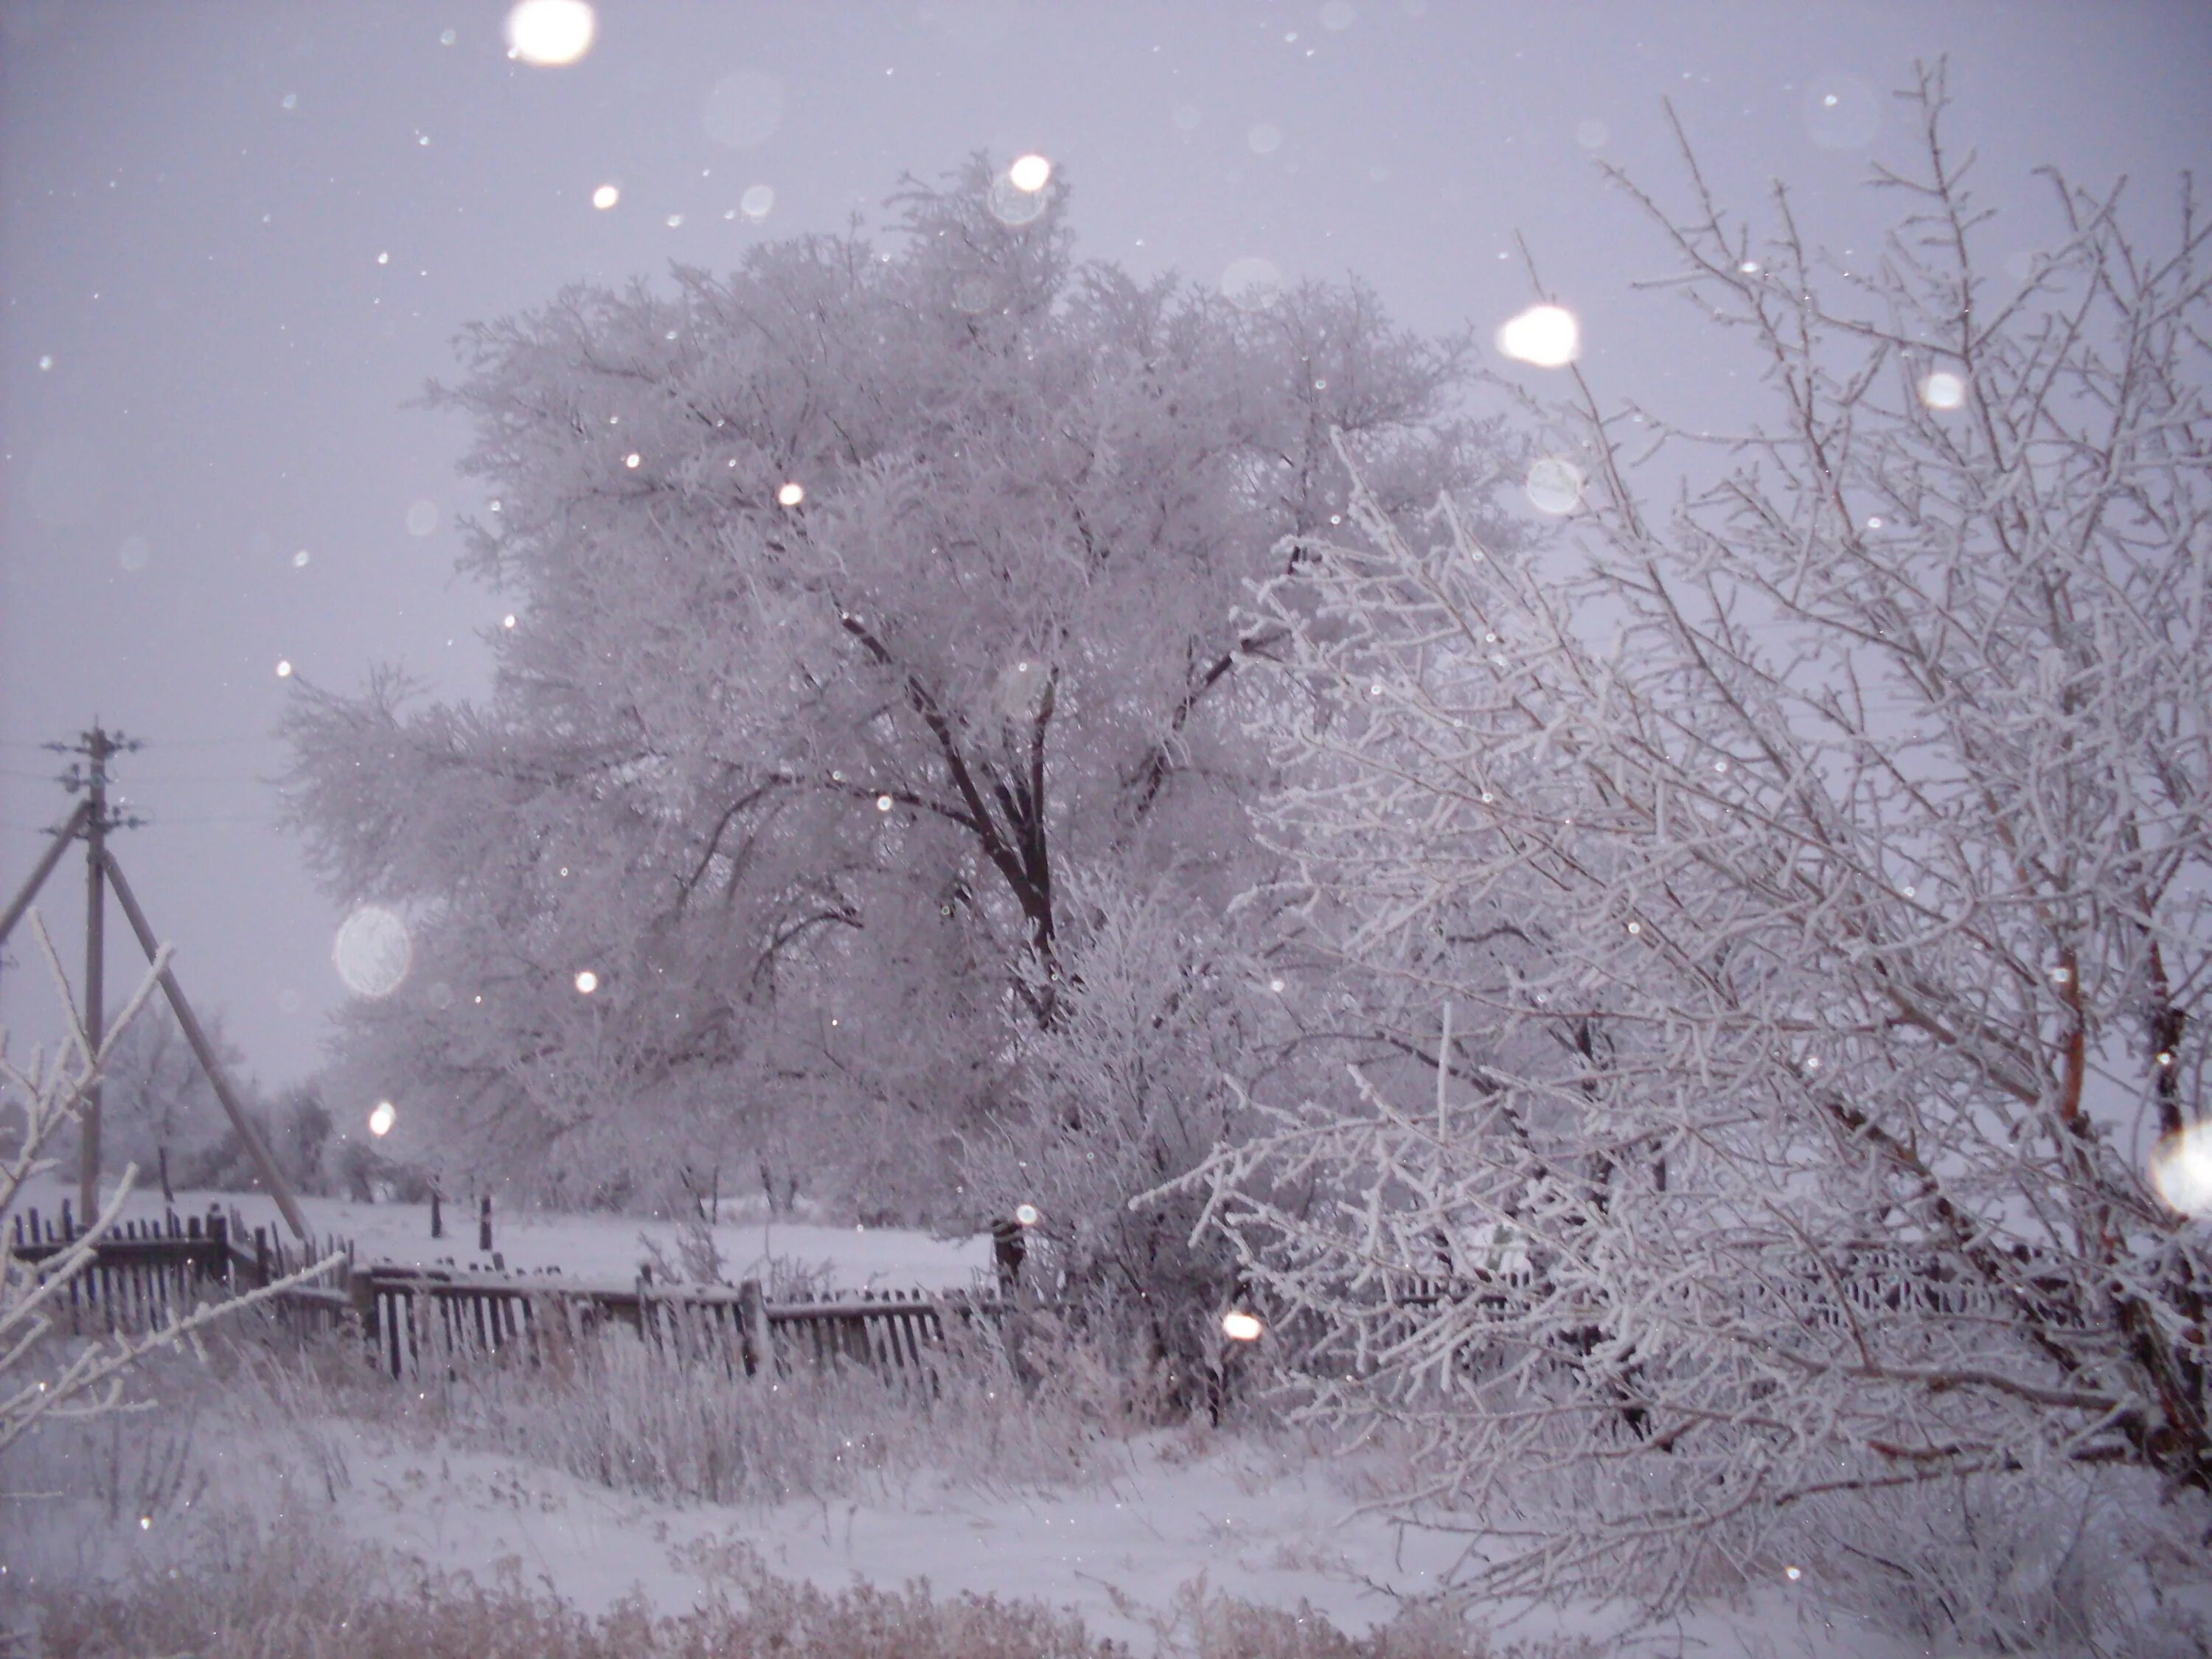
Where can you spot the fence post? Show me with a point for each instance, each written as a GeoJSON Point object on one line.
{"type": "Point", "coordinates": [752, 1316]}
{"type": "Point", "coordinates": [483, 1226]}
{"type": "Point", "coordinates": [361, 1288]}
{"type": "Point", "coordinates": [1008, 1248]}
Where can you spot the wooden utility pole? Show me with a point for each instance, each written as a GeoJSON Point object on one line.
{"type": "Point", "coordinates": [98, 746]}
{"type": "Point", "coordinates": [93, 820]}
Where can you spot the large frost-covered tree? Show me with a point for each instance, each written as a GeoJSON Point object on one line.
{"type": "Point", "coordinates": [1806, 884]}
{"type": "Point", "coordinates": [859, 596]}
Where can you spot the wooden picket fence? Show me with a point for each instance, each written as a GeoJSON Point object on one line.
{"type": "Point", "coordinates": [142, 1274]}
{"type": "Point", "coordinates": [416, 1320]}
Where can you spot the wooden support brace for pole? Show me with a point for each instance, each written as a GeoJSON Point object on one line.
{"type": "Point", "coordinates": [63, 836]}
{"type": "Point", "coordinates": [279, 1189]}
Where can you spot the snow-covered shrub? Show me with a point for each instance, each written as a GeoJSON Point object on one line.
{"type": "Point", "coordinates": [297, 1130]}
{"type": "Point", "coordinates": [2068, 1561]}
{"type": "Point", "coordinates": [698, 1257]}
{"type": "Point", "coordinates": [155, 1099]}
{"type": "Point", "coordinates": [1127, 1088]}
{"type": "Point", "coordinates": [1814, 875]}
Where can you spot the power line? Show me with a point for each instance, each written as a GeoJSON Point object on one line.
{"type": "Point", "coordinates": [158, 742]}
{"type": "Point", "coordinates": [151, 777]}
{"type": "Point", "coordinates": [197, 777]}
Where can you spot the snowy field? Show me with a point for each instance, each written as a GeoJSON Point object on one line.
{"type": "Point", "coordinates": [1187, 1516]}
{"type": "Point", "coordinates": [1133, 1533]}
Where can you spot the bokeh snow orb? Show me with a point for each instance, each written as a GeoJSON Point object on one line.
{"type": "Point", "coordinates": [1263, 138]}
{"type": "Point", "coordinates": [283, 668]}
{"type": "Point", "coordinates": [380, 1119]}
{"type": "Point", "coordinates": [1841, 112]}
{"type": "Point", "coordinates": [790, 495]}
{"type": "Point", "coordinates": [1241, 1326]}
{"type": "Point", "coordinates": [606, 197]}
{"type": "Point", "coordinates": [134, 552]}
{"type": "Point", "coordinates": [1011, 204]}
{"type": "Point", "coordinates": [372, 951]}
{"type": "Point", "coordinates": [756, 202]}
{"type": "Point", "coordinates": [1030, 173]}
{"type": "Point", "coordinates": [744, 109]}
{"type": "Point", "coordinates": [1251, 283]}
{"type": "Point", "coordinates": [301, 558]}
{"type": "Point", "coordinates": [1555, 485]}
{"type": "Point", "coordinates": [1943, 390]}
{"type": "Point", "coordinates": [2181, 1169]}
{"type": "Point", "coordinates": [1591, 133]}
{"type": "Point", "coordinates": [422, 519]}
{"type": "Point", "coordinates": [1545, 336]}
{"type": "Point", "coordinates": [548, 33]}
{"type": "Point", "coordinates": [1021, 684]}
{"type": "Point", "coordinates": [974, 294]}
{"type": "Point", "coordinates": [1187, 116]}
{"type": "Point", "coordinates": [587, 981]}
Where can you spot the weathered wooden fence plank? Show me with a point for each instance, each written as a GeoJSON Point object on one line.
{"type": "Point", "coordinates": [412, 1318]}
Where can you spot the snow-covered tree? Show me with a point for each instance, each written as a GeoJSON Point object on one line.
{"type": "Point", "coordinates": [1130, 1088]}
{"type": "Point", "coordinates": [158, 1109]}
{"type": "Point", "coordinates": [858, 596]}
{"type": "Point", "coordinates": [1806, 879]}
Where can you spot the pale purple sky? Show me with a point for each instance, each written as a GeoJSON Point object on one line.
{"type": "Point", "coordinates": [235, 239]}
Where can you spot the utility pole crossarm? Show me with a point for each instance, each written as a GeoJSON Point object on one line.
{"type": "Point", "coordinates": [279, 1189]}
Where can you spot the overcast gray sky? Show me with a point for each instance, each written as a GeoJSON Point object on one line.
{"type": "Point", "coordinates": [235, 239]}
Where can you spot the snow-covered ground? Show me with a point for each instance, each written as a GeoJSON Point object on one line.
{"type": "Point", "coordinates": [1216, 1516]}
{"type": "Point", "coordinates": [1163, 1516]}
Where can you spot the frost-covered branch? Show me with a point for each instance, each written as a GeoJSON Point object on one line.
{"type": "Point", "coordinates": [41, 1374]}
{"type": "Point", "coordinates": [1818, 875]}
